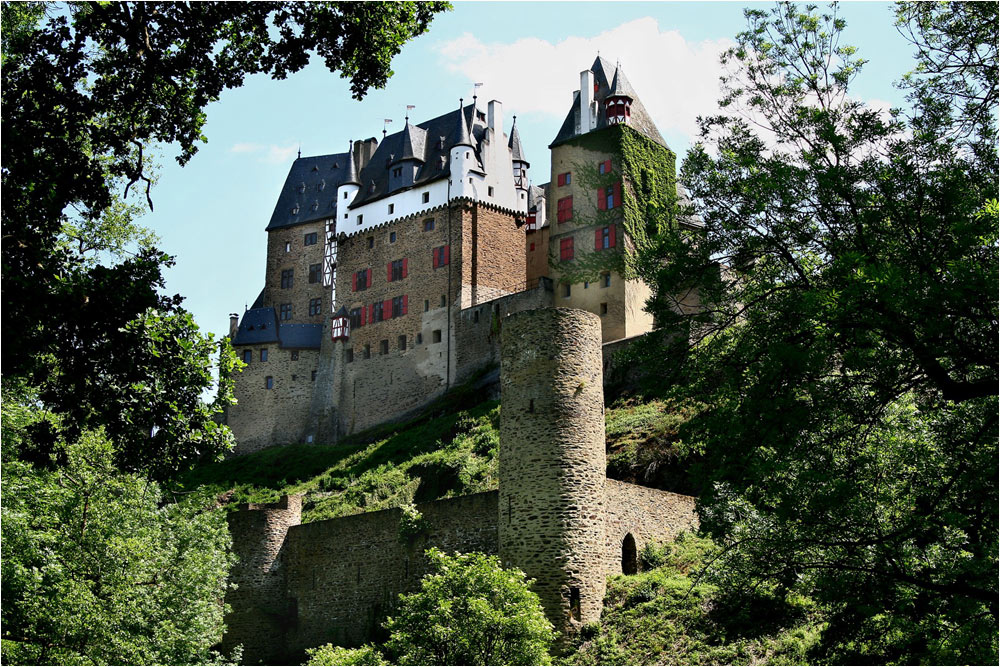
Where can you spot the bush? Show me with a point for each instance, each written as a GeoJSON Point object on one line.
{"type": "Point", "coordinates": [470, 611]}
{"type": "Point", "coordinates": [328, 654]}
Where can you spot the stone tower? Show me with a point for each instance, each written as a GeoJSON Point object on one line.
{"type": "Point", "coordinates": [552, 460]}
{"type": "Point", "coordinates": [260, 608]}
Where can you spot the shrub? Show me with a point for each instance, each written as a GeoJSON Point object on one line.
{"type": "Point", "coordinates": [328, 654]}
{"type": "Point", "coordinates": [470, 611]}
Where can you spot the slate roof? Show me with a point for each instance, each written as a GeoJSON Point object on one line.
{"type": "Point", "coordinates": [310, 190]}
{"type": "Point", "coordinates": [514, 144]}
{"type": "Point", "coordinates": [430, 143]}
{"type": "Point", "coordinates": [536, 195]}
{"type": "Point", "coordinates": [260, 325]}
{"type": "Point", "coordinates": [639, 120]}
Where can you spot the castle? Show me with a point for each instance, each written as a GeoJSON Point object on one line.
{"type": "Point", "coordinates": [391, 266]}
{"type": "Point", "coordinates": [399, 269]}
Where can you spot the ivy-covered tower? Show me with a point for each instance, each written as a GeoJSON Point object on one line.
{"type": "Point", "coordinates": [608, 161]}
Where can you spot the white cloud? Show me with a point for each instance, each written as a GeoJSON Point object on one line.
{"type": "Point", "coordinates": [270, 154]}
{"type": "Point", "coordinates": [677, 80]}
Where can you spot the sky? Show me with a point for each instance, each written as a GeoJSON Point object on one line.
{"type": "Point", "coordinates": [211, 214]}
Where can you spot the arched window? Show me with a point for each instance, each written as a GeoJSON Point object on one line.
{"type": "Point", "coordinates": [630, 560]}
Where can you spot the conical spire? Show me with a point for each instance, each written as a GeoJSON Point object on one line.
{"type": "Point", "coordinates": [413, 143]}
{"type": "Point", "coordinates": [619, 86]}
{"type": "Point", "coordinates": [463, 138]}
{"type": "Point", "coordinates": [514, 144]}
{"type": "Point", "coordinates": [352, 170]}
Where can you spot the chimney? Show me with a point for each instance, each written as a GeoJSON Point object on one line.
{"type": "Point", "coordinates": [234, 323]}
{"type": "Point", "coordinates": [494, 116]}
{"type": "Point", "coordinates": [586, 99]}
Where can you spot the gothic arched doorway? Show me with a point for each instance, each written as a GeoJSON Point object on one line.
{"type": "Point", "coordinates": [630, 558]}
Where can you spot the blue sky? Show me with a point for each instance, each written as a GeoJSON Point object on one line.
{"type": "Point", "coordinates": [211, 213]}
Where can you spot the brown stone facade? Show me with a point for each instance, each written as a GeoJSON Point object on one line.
{"type": "Point", "coordinates": [287, 251]}
{"type": "Point", "coordinates": [555, 515]}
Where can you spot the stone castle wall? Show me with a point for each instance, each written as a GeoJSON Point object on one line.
{"type": "Point", "coordinates": [298, 258]}
{"type": "Point", "coordinates": [645, 515]}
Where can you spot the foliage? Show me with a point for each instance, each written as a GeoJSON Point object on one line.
{"type": "Point", "coordinates": [328, 654]}
{"type": "Point", "coordinates": [848, 348]}
{"type": "Point", "coordinates": [95, 569]}
{"type": "Point", "coordinates": [674, 615]}
{"type": "Point", "coordinates": [470, 611]}
{"type": "Point", "coordinates": [411, 523]}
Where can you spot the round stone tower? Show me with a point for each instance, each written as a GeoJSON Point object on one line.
{"type": "Point", "coordinates": [552, 459]}
{"type": "Point", "coordinates": [260, 606]}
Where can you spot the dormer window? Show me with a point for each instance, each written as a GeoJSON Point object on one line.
{"type": "Point", "coordinates": [302, 187]}
{"type": "Point", "coordinates": [295, 210]}
{"type": "Point", "coordinates": [397, 172]}
{"type": "Point", "coordinates": [321, 186]}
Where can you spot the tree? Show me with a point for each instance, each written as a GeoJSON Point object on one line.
{"type": "Point", "coordinates": [95, 569]}
{"type": "Point", "coordinates": [847, 350]}
{"type": "Point", "coordinates": [470, 611]}
{"type": "Point", "coordinates": [88, 88]}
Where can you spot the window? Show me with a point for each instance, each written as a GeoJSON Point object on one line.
{"type": "Point", "coordinates": [444, 300]}
{"type": "Point", "coordinates": [606, 279]}
{"type": "Point", "coordinates": [604, 237]}
{"type": "Point", "coordinates": [286, 311]}
{"type": "Point", "coordinates": [345, 196]}
{"type": "Point", "coordinates": [604, 167]}
{"type": "Point", "coordinates": [427, 305]}
{"type": "Point", "coordinates": [313, 376]}
{"type": "Point", "coordinates": [383, 346]}
{"type": "Point", "coordinates": [396, 173]}
{"type": "Point", "coordinates": [392, 237]}
{"type": "Point", "coordinates": [531, 246]}
{"type": "Point", "coordinates": [371, 242]}
{"type": "Point", "coordinates": [295, 355]}
{"type": "Point", "coordinates": [269, 382]}
{"type": "Point", "coordinates": [609, 198]}
{"type": "Point", "coordinates": [440, 256]}
{"type": "Point", "coordinates": [429, 225]}
{"type": "Point", "coordinates": [310, 239]}
{"type": "Point", "coordinates": [564, 209]}
{"type": "Point", "coordinates": [475, 317]}
{"type": "Point", "coordinates": [399, 306]}
{"type": "Point", "coordinates": [567, 289]}
{"type": "Point", "coordinates": [566, 249]}
{"type": "Point", "coordinates": [315, 273]}
{"type": "Point", "coordinates": [361, 280]}
{"type": "Point", "coordinates": [361, 218]}
{"type": "Point", "coordinates": [247, 356]}
{"type": "Point", "coordinates": [348, 355]}
{"type": "Point", "coordinates": [604, 309]}
{"type": "Point", "coordinates": [563, 179]}
{"type": "Point", "coordinates": [263, 354]}
{"type": "Point", "coordinates": [401, 341]}
{"type": "Point", "coordinates": [396, 270]}
{"type": "Point", "coordinates": [378, 312]}
{"type": "Point", "coordinates": [425, 197]}
{"type": "Point", "coordinates": [367, 353]}
{"type": "Point", "coordinates": [586, 284]}
{"type": "Point", "coordinates": [489, 191]}
{"type": "Point", "coordinates": [436, 336]}
{"type": "Point", "coordinates": [355, 318]}
{"type": "Point", "coordinates": [392, 208]}
{"type": "Point", "coordinates": [314, 306]}
{"type": "Point", "coordinates": [287, 278]}
{"type": "Point", "coordinates": [288, 246]}
{"type": "Point", "coordinates": [420, 338]}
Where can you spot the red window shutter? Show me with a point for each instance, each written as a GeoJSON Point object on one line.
{"type": "Point", "coordinates": [405, 300]}
{"type": "Point", "coordinates": [369, 272]}
{"type": "Point", "coordinates": [434, 258]}
{"type": "Point", "coordinates": [364, 316]}
{"type": "Point", "coordinates": [611, 236]}
{"type": "Point", "coordinates": [371, 313]}
{"type": "Point", "coordinates": [447, 254]}
{"type": "Point", "coordinates": [607, 166]}
{"type": "Point", "coordinates": [388, 272]}
{"type": "Point", "coordinates": [618, 194]}
{"type": "Point", "coordinates": [387, 309]}
{"type": "Point", "coordinates": [354, 282]}
{"type": "Point", "coordinates": [561, 179]}
{"type": "Point", "coordinates": [602, 201]}
{"type": "Point", "coordinates": [404, 267]}
{"type": "Point", "coordinates": [598, 237]}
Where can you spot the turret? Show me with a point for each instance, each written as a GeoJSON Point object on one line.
{"type": "Point", "coordinates": [520, 166]}
{"type": "Point", "coordinates": [618, 103]}
{"type": "Point", "coordinates": [552, 459]}
{"type": "Point", "coordinates": [403, 167]}
{"type": "Point", "coordinates": [463, 157]}
{"type": "Point", "coordinates": [346, 192]}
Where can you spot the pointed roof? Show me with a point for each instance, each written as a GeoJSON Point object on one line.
{"type": "Point", "coordinates": [352, 171]}
{"type": "Point", "coordinates": [462, 137]}
{"type": "Point", "coordinates": [413, 143]}
{"type": "Point", "coordinates": [604, 77]}
{"type": "Point", "coordinates": [310, 190]}
{"type": "Point", "coordinates": [619, 87]}
{"type": "Point", "coordinates": [514, 144]}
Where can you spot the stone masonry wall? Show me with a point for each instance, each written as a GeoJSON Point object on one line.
{"type": "Point", "coordinates": [345, 575]}
{"type": "Point", "coordinates": [260, 610]}
{"type": "Point", "coordinates": [552, 460]}
{"type": "Point", "coordinates": [265, 417]}
{"type": "Point", "coordinates": [645, 514]}
{"type": "Point", "coordinates": [299, 257]}
{"type": "Point", "coordinates": [494, 262]}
